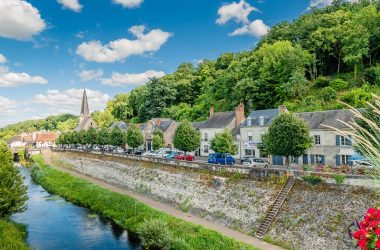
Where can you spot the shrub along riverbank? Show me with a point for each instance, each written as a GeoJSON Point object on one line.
{"type": "Point", "coordinates": [12, 236]}
{"type": "Point", "coordinates": [154, 228]}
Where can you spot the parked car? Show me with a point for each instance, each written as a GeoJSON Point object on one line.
{"type": "Point", "coordinates": [118, 150]}
{"type": "Point", "coordinates": [361, 164]}
{"type": "Point", "coordinates": [183, 157]}
{"type": "Point", "coordinates": [148, 153]}
{"type": "Point", "coordinates": [254, 162]}
{"type": "Point", "coordinates": [221, 158]}
{"type": "Point", "coordinates": [172, 155]}
{"type": "Point", "coordinates": [162, 153]}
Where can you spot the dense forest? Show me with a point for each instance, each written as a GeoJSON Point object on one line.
{"type": "Point", "coordinates": [325, 55]}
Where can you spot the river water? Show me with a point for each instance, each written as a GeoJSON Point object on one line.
{"type": "Point", "coordinates": [53, 223]}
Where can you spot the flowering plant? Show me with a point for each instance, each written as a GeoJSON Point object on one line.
{"type": "Point", "coordinates": [367, 235]}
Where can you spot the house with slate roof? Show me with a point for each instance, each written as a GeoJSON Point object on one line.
{"type": "Point", "coordinates": [328, 147]}
{"type": "Point", "coordinates": [121, 125]}
{"type": "Point", "coordinates": [85, 120]}
{"type": "Point", "coordinates": [216, 123]}
{"type": "Point", "coordinates": [167, 126]}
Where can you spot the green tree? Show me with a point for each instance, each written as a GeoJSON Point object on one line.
{"type": "Point", "coordinates": [186, 137]}
{"type": "Point", "coordinates": [104, 119]}
{"type": "Point", "coordinates": [118, 137]}
{"type": "Point", "coordinates": [121, 107]}
{"type": "Point", "coordinates": [287, 136]}
{"type": "Point", "coordinates": [135, 137]}
{"type": "Point", "coordinates": [91, 136]}
{"type": "Point", "coordinates": [13, 195]}
{"type": "Point", "coordinates": [158, 139]}
{"type": "Point", "coordinates": [224, 143]}
{"type": "Point", "coordinates": [103, 137]}
{"type": "Point", "coordinates": [82, 137]}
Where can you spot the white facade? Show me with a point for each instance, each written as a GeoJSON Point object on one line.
{"type": "Point", "coordinates": [207, 134]}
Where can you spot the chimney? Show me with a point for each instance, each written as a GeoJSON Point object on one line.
{"type": "Point", "coordinates": [239, 114]}
{"type": "Point", "coordinates": [282, 109]}
{"type": "Point", "coordinates": [212, 111]}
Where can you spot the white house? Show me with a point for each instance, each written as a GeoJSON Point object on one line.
{"type": "Point", "coordinates": [216, 123]}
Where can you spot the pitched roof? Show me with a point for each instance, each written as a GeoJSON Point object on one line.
{"type": "Point", "coordinates": [85, 111]}
{"type": "Point", "coordinates": [46, 137]}
{"type": "Point", "coordinates": [164, 125]}
{"type": "Point", "coordinates": [15, 139]}
{"type": "Point", "coordinates": [219, 120]}
{"type": "Point", "coordinates": [255, 115]}
{"type": "Point", "coordinates": [122, 125]}
{"type": "Point", "coordinates": [198, 125]}
{"type": "Point", "coordinates": [317, 120]}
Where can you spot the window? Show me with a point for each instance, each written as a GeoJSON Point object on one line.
{"type": "Point", "coordinates": [318, 159]}
{"type": "Point", "coordinates": [293, 159]}
{"type": "Point", "coordinates": [317, 140]}
{"type": "Point", "coordinates": [249, 152]}
{"type": "Point", "coordinates": [344, 159]}
{"type": "Point", "coordinates": [205, 138]}
{"type": "Point", "coordinates": [250, 136]}
{"type": "Point", "coordinates": [249, 122]}
{"type": "Point", "coordinates": [205, 148]}
{"type": "Point", "coordinates": [261, 120]}
{"type": "Point", "coordinates": [344, 141]}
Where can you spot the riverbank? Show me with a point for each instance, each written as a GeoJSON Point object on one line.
{"type": "Point", "coordinates": [130, 213]}
{"type": "Point", "coordinates": [12, 236]}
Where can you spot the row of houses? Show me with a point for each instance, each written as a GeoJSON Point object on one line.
{"type": "Point", "coordinates": [328, 148]}
{"type": "Point", "coordinates": [41, 139]}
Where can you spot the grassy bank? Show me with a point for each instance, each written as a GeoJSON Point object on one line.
{"type": "Point", "coordinates": [152, 226]}
{"type": "Point", "coordinates": [12, 236]}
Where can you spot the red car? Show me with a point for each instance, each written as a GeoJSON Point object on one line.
{"type": "Point", "coordinates": [182, 157]}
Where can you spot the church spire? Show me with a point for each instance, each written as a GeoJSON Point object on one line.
{"type": "Point", "coordinates": [85, 111]}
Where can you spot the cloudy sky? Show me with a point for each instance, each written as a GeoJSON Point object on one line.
{"type": "Point", "coordinates": [50, 50]}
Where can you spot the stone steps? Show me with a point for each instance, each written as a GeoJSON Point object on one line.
{"type": "Point", "coordinates": [275, 207]}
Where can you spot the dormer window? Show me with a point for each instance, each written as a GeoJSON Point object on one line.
{"type": "Point", "coordinates": [261, 120]}
{"type": "Point", "coordinates": [249, 122]}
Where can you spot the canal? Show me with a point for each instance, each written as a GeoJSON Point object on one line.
{"type": "Point", "coordinates": [53, 223]}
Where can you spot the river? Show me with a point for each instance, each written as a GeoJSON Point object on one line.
{"type": "Point", "coordinates": [53, 223]}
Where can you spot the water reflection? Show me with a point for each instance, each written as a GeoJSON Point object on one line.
{"type": "Point", "coordinates": [54, 223]}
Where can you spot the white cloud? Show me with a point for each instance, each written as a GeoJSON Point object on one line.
{"type": "Point", "coordinates": [70, 100]}
{"type": "Point", "coordinates": [7, 106]}
{"type": "Point", "coordinates": [118, 79]}
{"type": "Point", "coordinates": [120, 49]}
{"type": "Point", "coordinates": [88, 75]}
{"type": "Point", "coordinates": [3, 59]}
{"type": "Point", "coordinates": [13, 79]}
{"type": "Point", "coordinates": [73, 5]}
{"type": "Point", "coordinates": [323, 3]}
{"type": "Point", "coordinates": [19, 20]}
{"type": "Point", "coordinates": [256, 28]}
{"type": "Point", "coordinates": [238, 12]}
{"type": "Point", "coordinates": [129, 3]}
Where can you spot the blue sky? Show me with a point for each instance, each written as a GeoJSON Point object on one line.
{"type": "Point", "coordinates": [50, 50]}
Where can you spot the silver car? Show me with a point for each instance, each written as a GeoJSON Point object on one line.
{"type": "Point", "coordinates": [254, 162]}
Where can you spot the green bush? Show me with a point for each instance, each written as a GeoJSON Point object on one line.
{"type": "Point", "coordinates": [322, 82]}
{"type": "Point", "coordinates": [312, 179]}
{"type": "Point", "coordinates": [155, 234]}
{"type": "Point", "coordinates": [339, 84]}
{"type": "Point", "coordinates": [306, 168]}
{"type": "Point", "coordinates": [339, 178]}
{"type": "Point", "coordinates": [328, 94]}
{"type": "Point", "coordinates": [372, 75]}
{"type": "Point", "coordinates": [356, 97]}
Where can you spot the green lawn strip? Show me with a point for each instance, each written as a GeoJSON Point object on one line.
{"type": "Point", "coordinates": [126, 211]}
{"type": "Point", "coordinates": [12, 236]}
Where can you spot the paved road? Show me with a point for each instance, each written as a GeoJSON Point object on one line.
{"type": "Point", "coordinates": [168, 209]}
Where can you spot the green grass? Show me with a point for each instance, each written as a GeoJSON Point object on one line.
{"type": "Point", "coordinates": [12, 236]}
{"type": "Point", "coordinates": [126, 211]}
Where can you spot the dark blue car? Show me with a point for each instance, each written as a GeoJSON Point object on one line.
{"type": "Point", "coordinates": [221, 158]}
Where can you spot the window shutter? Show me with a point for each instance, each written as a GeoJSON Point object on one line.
{"type": "Point", "coordinates": [337, 160]}
{"type": "Point", "coordinates": [349, 142]}
{"type": "Point", "coordinates": [305, 159]}
{"type": "Point", "coordinates": [337, 138]}
{"type": "Point", "coordinates": [312, 159]}
{"type": "Point", "coordinates": [323, 159]}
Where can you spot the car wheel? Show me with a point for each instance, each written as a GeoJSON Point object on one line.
{"type": "Point", "coordinates": [266, 166]}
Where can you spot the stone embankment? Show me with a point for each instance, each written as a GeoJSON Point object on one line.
{"type": "Point", "coordinates": [313, 217]}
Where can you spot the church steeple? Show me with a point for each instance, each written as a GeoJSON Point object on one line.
{"type": "Point", "coordinates": [85, 111]}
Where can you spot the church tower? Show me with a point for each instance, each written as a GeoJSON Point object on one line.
{"type": "Point", "coordinates": [85, 119]}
